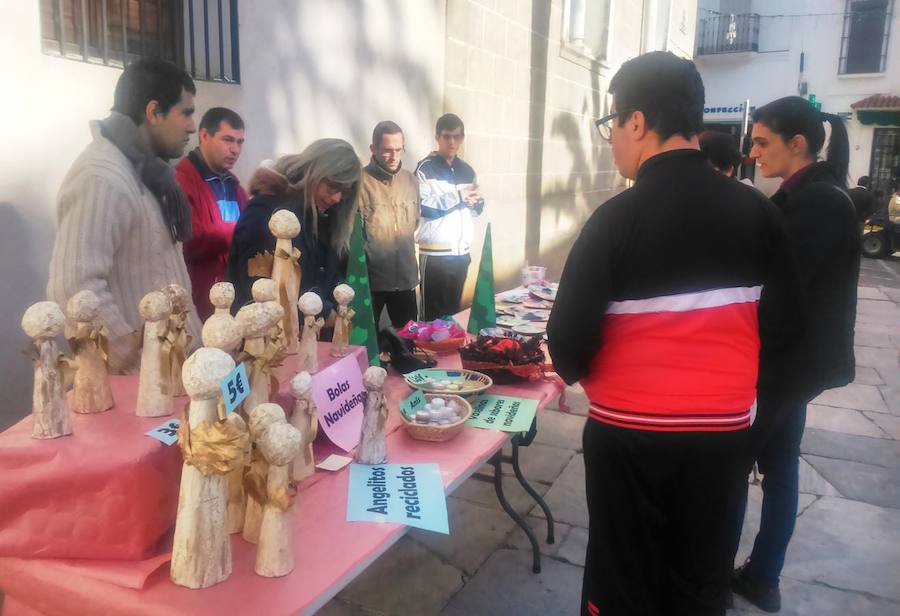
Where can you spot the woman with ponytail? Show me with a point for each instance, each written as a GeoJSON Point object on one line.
{"type": "Point", "coordinates": [788, 135]}
{"type": "Point", "coordinates": [319, 185]}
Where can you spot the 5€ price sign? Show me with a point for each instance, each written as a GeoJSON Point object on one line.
{"type": "Point", "coordinates": [235, 387]}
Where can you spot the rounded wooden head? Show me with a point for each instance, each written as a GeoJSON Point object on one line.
{"type": "Point", "coordinates": [222, 331]}
{"type": "Point", "coordinates": [301, 384]}
{"type": "Point", "coordinates": [280, 443]}
{"type": "Point", "coordinates": [263, 416]}
{"type": "Point", "coordinates": [83, 306]}
{"type": "Point", "coordinates": [203, 372]}
{"type": "Point", "coordinates": [221, 295]}
{"type": "Point", "coordinates": [276, 312]}
{"type": "Point", "coordinates": [254, 320]}
{"type": "Point", "coordinates": [310, 303]}
{"type": "Point", "coordinates": [155, 306]}
{"type": "Point", "coordinates": [344, 294]}
{"type": "Point", "coordinates": [264, 290]}
{"type": "Point", "coordinates": [284, 225]}
{"type": "Point", "coordinates": [374, 377]}
{"type": "Point", "coordinates": [43, 320]}
{"type": "Point", "coordinates": [178, 295]}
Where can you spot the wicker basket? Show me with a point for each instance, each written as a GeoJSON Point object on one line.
{"type": "Point", "coordinates": [441, 346]}
{"type": "Point", "coordinates": [474, 382]}
{"type": "Point", "coordinates": [438, 434]}
{"type": "Point", "coordinates": [504, 374]}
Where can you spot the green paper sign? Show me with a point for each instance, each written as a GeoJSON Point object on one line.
{"type": "Point", "coordinates": [504, 413]}
{"type": "Point", "coordinates": [416, 402]}
{"type": "Point", "coordinates": [364, 331]}
{"type": "Point", "coordinates": [484, 312]}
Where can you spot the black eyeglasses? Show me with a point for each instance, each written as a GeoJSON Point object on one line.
{"type": "Point", "coordinates": [603, 124]}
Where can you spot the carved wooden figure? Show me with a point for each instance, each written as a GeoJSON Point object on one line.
{"type": "Point", "coordinates": [221, 296]}
{"type": "Point", "coordinates": [201, 551]}
{"type": "Point", "coordinates": [278, 444]}
{"type": "Point", "coordinates": [304, 419]}
{"type": "Point", "coordinates": [181, 307]}
{"type": "Point", "coordinates": [286, 272]}
{"type": "Point", "coordinates": [91, 393]}
{"type": "Point", "coordinates": [264, 291]}
{"type": "Point", "coordinates": [372, 449]}
{"type": "Point", "coordinates": [43, 322]}
{"type": "Point", "coordinates": [255, 320]}
{"type": "Point", "coordinates": [256, 477]}
{"type": "Point", "coordinates": [155, 387]}
{"type": "Point", "coordinates": [222, 331]}
{"type": "Point", "coordinates": [343, 325]}
{"type": "Point", "coordinates": [310, 305]}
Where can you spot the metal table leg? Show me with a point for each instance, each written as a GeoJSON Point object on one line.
{"type": "Point", "coordinates": [497, 461]}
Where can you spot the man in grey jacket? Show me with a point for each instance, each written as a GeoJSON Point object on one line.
{"type": "Point", "coordinates": [122, 217]}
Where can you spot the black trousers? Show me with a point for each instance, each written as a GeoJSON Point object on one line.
{"type": "Point", "coordinates": [660, 508]}
{"type": "Point", "coordinates": [442, 284]}
{"type": "Point", "coordinates": [401, 306]}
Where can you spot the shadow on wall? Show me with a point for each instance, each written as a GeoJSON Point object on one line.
{"type": "Point", "coordinates": [18, 273]}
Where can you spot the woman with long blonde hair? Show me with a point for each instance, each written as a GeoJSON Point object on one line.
{"type": "Point", "coordinates": [319, 185]}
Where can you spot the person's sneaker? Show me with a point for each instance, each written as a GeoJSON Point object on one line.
{"type": "Point", "coordinates": [766, 598]}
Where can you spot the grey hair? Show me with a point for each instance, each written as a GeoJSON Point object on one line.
{"type": "Point", "coordinates": [324, 159]}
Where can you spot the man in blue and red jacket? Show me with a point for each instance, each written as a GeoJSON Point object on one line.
{"type": "Point", "coordinates": [216, 199]}
{"type": "Point", "coordinates": [669, 296]}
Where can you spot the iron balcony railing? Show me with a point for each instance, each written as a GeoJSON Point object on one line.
{"type": "Point", "coordinates": [728, 34]}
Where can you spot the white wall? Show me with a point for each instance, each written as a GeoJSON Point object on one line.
{"type": "Point", "coordinates": [775, 71]}
{"type": "Point", "coordinates": [318, 68]}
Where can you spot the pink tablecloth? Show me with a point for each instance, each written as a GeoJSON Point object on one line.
{"type": "Point", "coordinates": [329, 550]}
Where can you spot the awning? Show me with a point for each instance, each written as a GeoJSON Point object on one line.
{"type": "Point", "coordinates": [880, 109]}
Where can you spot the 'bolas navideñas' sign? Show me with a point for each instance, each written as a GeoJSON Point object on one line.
{"type": "Point", "coordinates": [340, 398]}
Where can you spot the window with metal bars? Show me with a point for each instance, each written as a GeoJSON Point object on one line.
{"type": "Point", "coordinates": [865, 37]}
{"type": "Point", "coordinates": [199, 35]}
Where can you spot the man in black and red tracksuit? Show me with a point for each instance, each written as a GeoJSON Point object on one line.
{"type": "Point", "coordinates": [667, 296]}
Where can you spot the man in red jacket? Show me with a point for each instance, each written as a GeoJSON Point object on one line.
{"type": "Point", "coordinates": [216, 198]}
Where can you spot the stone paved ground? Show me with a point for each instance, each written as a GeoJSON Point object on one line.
{"type": "Point", "coordinates": [844, 558]}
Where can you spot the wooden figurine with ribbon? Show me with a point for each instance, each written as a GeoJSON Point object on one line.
{"type": "Point", "coordinates": [155, 387]}
{"type": "Point", "coordinates": [343, 325]}
{"type": "Point", "coordinates": [262, 356]}
{"type": "Point", "coordinates": [286, 272]}
{"type": "Point", "coordinates": [43, 322]}
{"type": "Point", "coordinates": [177, 336]}
{"type": "Point", "coordinates": [221, 296]}
{"type": "Point", "coordinates": [91, 393]}
{"type": "Point", "coordinates": [256, 474]}
{"type": "Point", "coordinates": [372, 448]}
{"type": "Point", "coordinates": [304, 419]}
{"type": "Point", "coordinates": [265, 291]}
{"type": "Point", "coordinates": [310, 305]}
{"type": "Point", "coordinates": [222, 331]}
{"type": "Point", "coordinates": [211, 447]}
{"type": "Point", "coordinates": [278, 443]}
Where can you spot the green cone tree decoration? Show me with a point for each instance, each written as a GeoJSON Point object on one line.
{"type": "Point", "coordinates": [364, 331]}
{"type": "Point", "coordinates": [484, 313]}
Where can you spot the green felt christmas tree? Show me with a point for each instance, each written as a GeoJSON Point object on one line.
{"type": "Point", "coordinates": [364, 330]}
{"type": "Point", "coordinates": [484, 313]}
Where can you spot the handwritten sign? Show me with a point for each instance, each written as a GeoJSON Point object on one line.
{"type": "Point", "coordinates": [410, 494]}
{"type": "Point", "coordinates": [502, 413]}
{"type": "Point", "coordinates": [166, 433]}
{"type": "Point", "coordinates": [235, 387]}
{"type": "Point", "coordinates": [340, 398]}
{"type": "Point", "coordinates": [422, 376]}
{"type": "Point", "coordinates": [416, 402]}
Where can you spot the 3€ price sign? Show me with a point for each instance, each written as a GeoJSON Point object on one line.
{"type": "Point", "coordinates": [166, 433]}
{"type": "Point", "coordinates": [235, 388]}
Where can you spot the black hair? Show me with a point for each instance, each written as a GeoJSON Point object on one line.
{"type": "Point", "coordinates": [215, 116]}
{"type": "Point", "coordinates": [667, 89]}
{"type": "Point", "coordinates": [792, 115]}
{"type": "Point", "coordinates": [721, 150]}
{"type": "Point", "coordinates": [385, 127]}
{"type": "Point", "coordinates": [449, 121]}
{"type": "Point", "coordinates": [864, 181]}
{"type": "Point", "coordinates": [150, 79]}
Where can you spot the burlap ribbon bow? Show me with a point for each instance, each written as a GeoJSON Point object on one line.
{"type": "Point", "coordinates": [255, 485]}
{"type": "Point", "coordinates": [173, 352]}
{"type": "Point", "coordinates": [288, 303]}
{"type": "Point", "coordinates": [87, 333]}
{"type": "Point", "coordinates": [213, 448]}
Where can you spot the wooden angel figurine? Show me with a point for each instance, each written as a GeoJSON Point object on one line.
{"type": "Point", "coordinates": [177, 335]}
{"type": "Point", "coordinates": [91, 393]}
{"type": "Point", "coordinates": [265, 292]}
{"type": "Point", "coordinates": [255, 320]}
{"type": "Point", "coordinates": [372, 449]}
{"type": "Point", "coordinates": [155, 388]}
{"type": "Point", "coordinates": [222, 331]}
{"type": "Point", "coordinates": [310, 305]}
{"type": "Point", "coordinates": [278, 444]}
{"type": "Point", "coordinates": [304, 419]}
{"type": "Point", "coordinates": [221, 296]}
{"type": "Point", "coordinates": [43, 322]}
{"type": "Point", "coordinates": [343, 325]}
{"type": "Point", "coordinates": [286, 272]}
{"type": "Point", "coordinates": [256, 476]}
{"type": "Point", "coordinates": [211, 448]}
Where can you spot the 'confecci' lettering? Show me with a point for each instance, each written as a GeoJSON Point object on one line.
{"type": "Point", "coordinates": [345, 407]}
